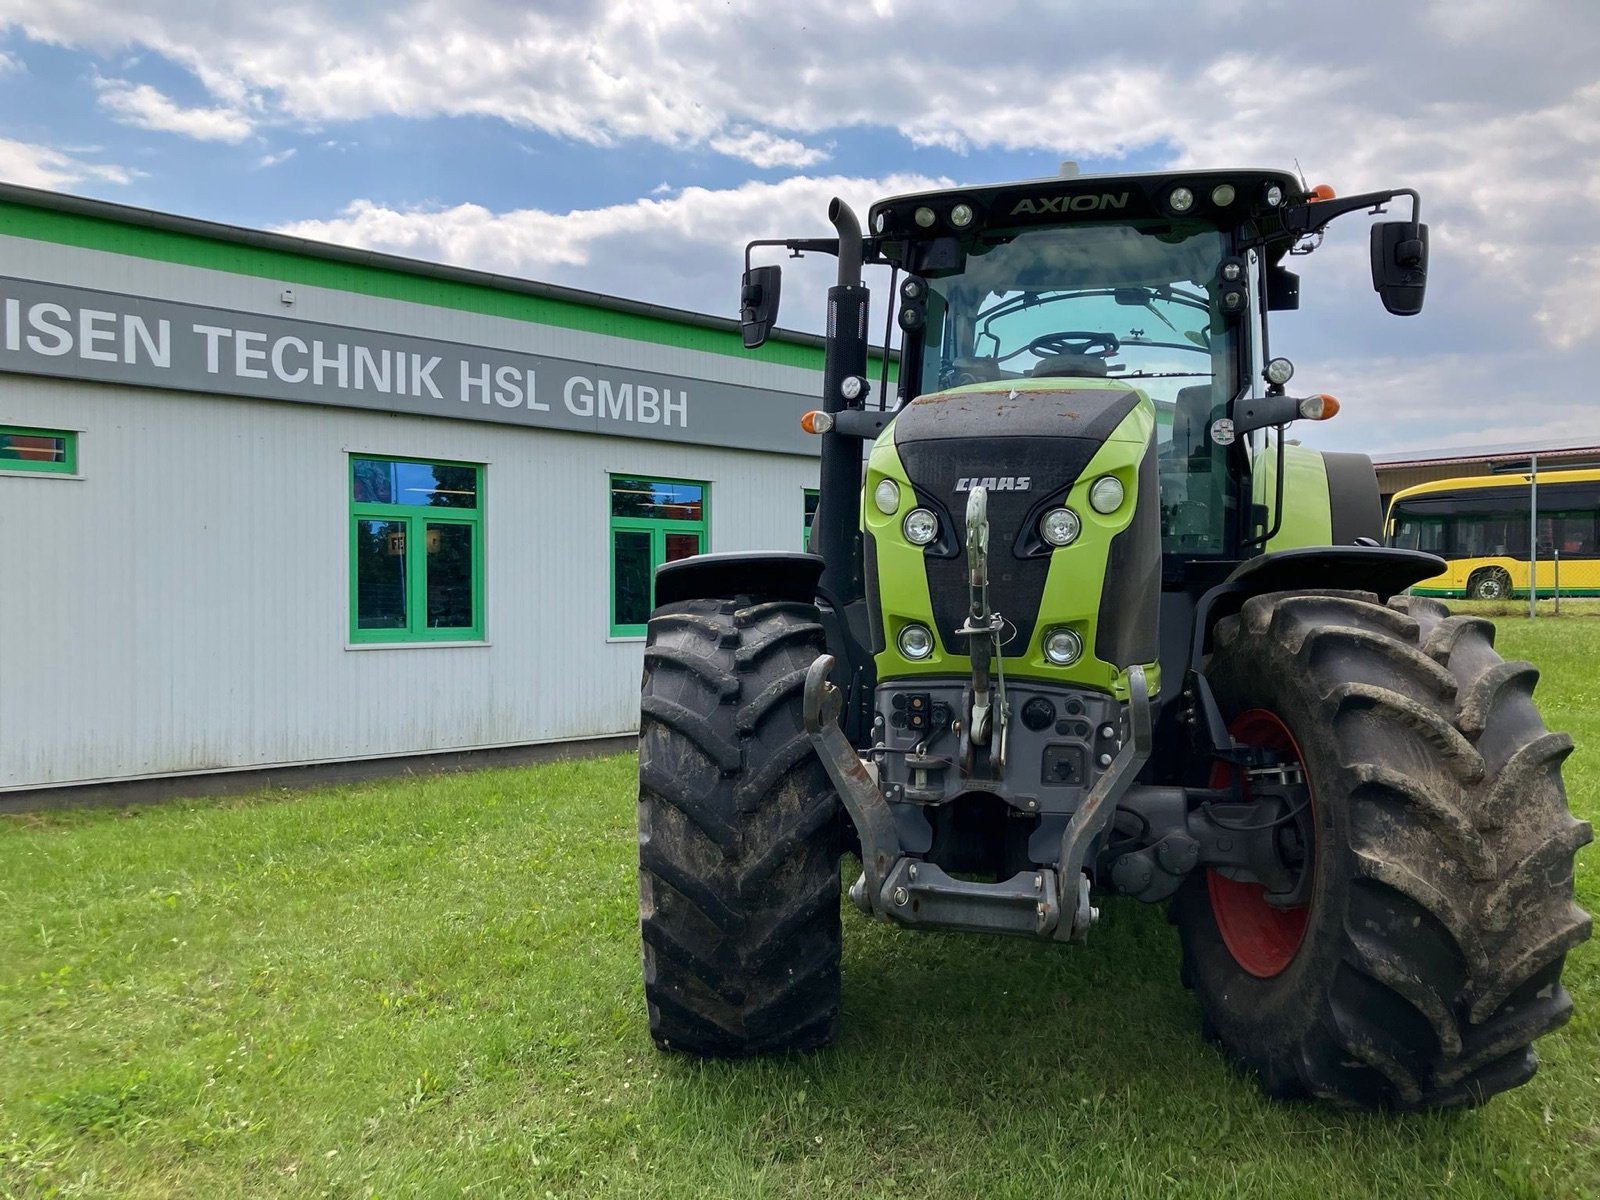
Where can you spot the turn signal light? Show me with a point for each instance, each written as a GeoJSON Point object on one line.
{"type": "Point", "coordinates": [1321, 192]}
{"type": "Point", "coordinates": [816, 421]}
{"type": "Point", "coordinates": [1318, 408]}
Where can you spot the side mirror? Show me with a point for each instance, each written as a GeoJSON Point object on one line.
{"type": "Point", "coordinates": [1400, 265]}
{"type": "Point", "coordinates": [758, 303]}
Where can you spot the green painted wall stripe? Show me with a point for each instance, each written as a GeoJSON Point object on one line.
{"type": "Point", "coordinates": [390, 283]}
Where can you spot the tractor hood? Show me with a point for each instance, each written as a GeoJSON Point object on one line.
{"type": "Point", "coordinates": [1027, 441]}
{"type": "Point", "coordinates": [1089, 409]}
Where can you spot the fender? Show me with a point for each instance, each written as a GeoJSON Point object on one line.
{"type": "Point", "coordinates": [779, 574]}
{"type": "Point", "coordinates": [1380, 569]}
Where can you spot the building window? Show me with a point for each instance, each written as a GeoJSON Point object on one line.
{"type": "Point", "coordinates": [47, 451]}
{"type": "Point", "coordinates": [810, 516]}
{"type": "Point", "coordinates": [416, 551]}
{"type": "Point", "coordinates": [653, 521]}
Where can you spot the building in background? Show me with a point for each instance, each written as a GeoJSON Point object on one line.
{"type": "Point", "coordinates": [1408, 468]}
{"type": "Point", "coordinates": [267, 503]}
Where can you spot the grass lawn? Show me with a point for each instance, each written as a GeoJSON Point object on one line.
{"type": "Point", "coordinates": [431, 987]}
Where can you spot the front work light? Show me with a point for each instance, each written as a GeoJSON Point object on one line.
{"type": "Point", "coordinates": [1105, 497]}
{"type": "Point", "coordinates": [1060, 526]}
{"type": "Point", "coordinates": [1180, 199]}
{"type": "Point", "coordinates": [887, 497]}
{"type": "Point", "coordinates": [916, 642]}
{"type": "Point", "coordinates": [1062, 647]}
{"type": "Point", "coordinates": [920, 527]}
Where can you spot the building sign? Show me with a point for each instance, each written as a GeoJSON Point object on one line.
{"type": "Point", "coordinates": [77, 333]}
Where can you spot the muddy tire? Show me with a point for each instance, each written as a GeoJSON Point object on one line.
{"type": "Point", "coordinates": [1429, 956]}
{"type": "Point", "coordinates": [1491, 583]}
{"type": "Point", "coordinates": [738, 833]}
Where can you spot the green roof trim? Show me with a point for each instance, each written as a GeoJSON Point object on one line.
{"type": "Point", "coordinates": [139, 233]}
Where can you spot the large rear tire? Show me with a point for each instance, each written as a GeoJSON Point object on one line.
{"type": "Point", "coordinates": [738, 833]}
{"type": "Point", "coordinates": [1429, 955]}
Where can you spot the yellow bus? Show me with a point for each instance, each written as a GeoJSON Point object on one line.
{"type": "Point", "coordinates": [1480, 526]}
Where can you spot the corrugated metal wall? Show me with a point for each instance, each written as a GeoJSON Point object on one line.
{"type": "Point", "coordinates": [185, 605]}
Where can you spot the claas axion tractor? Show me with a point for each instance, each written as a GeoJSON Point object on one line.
{"type": "Point", "coordinates": [1081, 619]}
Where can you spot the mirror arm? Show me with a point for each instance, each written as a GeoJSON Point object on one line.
{"type": "Point", "coordinates": [795, 246]}
{"type": "Point", "coordinates": [1313, 215]}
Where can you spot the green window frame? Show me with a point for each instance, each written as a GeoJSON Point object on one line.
{"type": "Point", "coordinates": [42, 451]}
{"type": "Point", "coordinates": [808, 506]}
{"type": "Point", "coordinates": [397, 505]}
{"type": "Point", "coordinates": [653, 521]}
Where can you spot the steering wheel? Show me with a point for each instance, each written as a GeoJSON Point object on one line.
{"type": "Point", "coordinates": [1076, 341]}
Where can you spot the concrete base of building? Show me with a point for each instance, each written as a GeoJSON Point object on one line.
{"type": "Point", "coordinates": [155, 789]}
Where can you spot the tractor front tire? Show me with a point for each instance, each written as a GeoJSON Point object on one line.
{"type": "Point", "coordinates": [1428, 957]}
{"type": "Point", "coordinates": [738, 833]}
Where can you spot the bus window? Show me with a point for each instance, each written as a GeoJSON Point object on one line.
{"type": "Point", "coordinates": [1419, 533]}
{"type": "Point", "coordinates": [1574, 534]}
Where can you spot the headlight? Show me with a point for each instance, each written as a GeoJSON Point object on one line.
{"type": "Point", "coordinates": [1106, 494]}
{"type": "Point", "coordinates": [1062, 647]}
{"type": "Point", "coordinates": [1280, 371]}
{"type": "Point", "coordinates": [887, 497]}
{"type": "Point", "coordinates": [1060, 526]}
{"type": "Point", "coordinates": [920, 527]}
{"type": "Point", "coordinates": [916, 642]}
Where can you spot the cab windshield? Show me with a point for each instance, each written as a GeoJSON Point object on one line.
{"type": "Point", "coordinates": [1134, 301]}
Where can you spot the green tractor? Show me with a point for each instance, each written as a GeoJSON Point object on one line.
{"type": "Point", "coordinates": [1090, 623]}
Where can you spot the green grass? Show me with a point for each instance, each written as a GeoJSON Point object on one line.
{"type": "Point", "coordinates": [431, 987]}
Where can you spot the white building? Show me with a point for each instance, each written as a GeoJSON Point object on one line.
{"type": "Point", "coordinates": [266, 503]}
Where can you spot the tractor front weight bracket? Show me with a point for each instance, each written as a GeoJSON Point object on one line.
{"type": "Point", "coordinates": [858, 790]}
{"type": "Point", "coordinates": [1043, 902]}
{"type": "Point", "coordinates": [1100, 805]}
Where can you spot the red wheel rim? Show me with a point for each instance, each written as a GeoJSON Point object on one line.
{"type": "Point", "coordinates": [1262, 938]}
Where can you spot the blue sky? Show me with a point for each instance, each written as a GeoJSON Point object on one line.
{"type": "Point", "coordinates": [633, 146]}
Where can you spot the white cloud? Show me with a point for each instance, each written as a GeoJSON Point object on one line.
{"type": "Point", "coordinates": [1429, 401]}
{"type": "Point", "coordinates": [10, 64]}
{"type": "Point", "coordinates": [1491, 110]}
{"type": "Point", "coordinates": [1472, 100]}
{"type": "Point", "coordinates": [46, 167]}
{"type": "Point", "coordinates": [272, 160]}
{"type": "Point", "coordinates": [685, 250]}
{"type": "Point", "coordinates": [762, 149]}
{"type": "Point", "coordinates": [142, 106]}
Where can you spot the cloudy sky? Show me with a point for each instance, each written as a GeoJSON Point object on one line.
{"type": "Point", "coordinates": [633, 146]}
